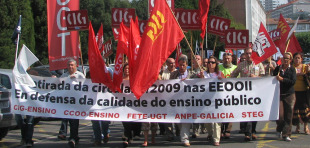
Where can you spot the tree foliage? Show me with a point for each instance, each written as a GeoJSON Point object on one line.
{"type": "Point", "coordinates": [34, 24]}
{"type": "Point", "coordinates": [40, 28]}
{"type": "Point", "coordinates": [9, 15]}
{"type": "Point", "coordinates": [304, 40]}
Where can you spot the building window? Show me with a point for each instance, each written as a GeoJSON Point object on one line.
{"type": "Point", "coordinates": [301, 27]}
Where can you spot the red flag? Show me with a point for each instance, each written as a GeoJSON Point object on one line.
{"type": "Point", "coordinates": [159, 40]}
{"type": "Point", "coordinates": [263, 46]}
{"type": "Point", "coordinates": [123, 38]}
{"type": "Point", "coordinates": [279, 62]}
{"type": "Point", "coordinates": [137, 22]}
{"type": "Point", "coordinates": [115, 33]}
{"type": "Point", "coordinates": [99, 38]}
{"type": "Point", "coordinates": [281, 43]}
{"type": "Point", "coordinates": [229, 51]}
{"type": "Point", "coordinates": [203, 11]}
{"type": "Point", "coordinates": [97, 68]}
{"type": "Point", "coordinates": [134, 44]}
{"type": "Point", "coordinates": [177, 55]}
{"type": "Point", "coordinates": [122, 48]}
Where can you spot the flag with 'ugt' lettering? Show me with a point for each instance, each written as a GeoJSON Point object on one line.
{"type": "Point", "coordinates": [263, 46]}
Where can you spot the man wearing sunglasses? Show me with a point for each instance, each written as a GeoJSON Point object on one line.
{"type": "Point", "coordinates": [226, 68]}
{"type": "Point", "coordinates": [247, 68]}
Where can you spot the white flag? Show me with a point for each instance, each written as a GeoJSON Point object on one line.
{"type": "Point", "coordinates": [292, 30]}
{"type": "Point", "coordinates": [25, 59]}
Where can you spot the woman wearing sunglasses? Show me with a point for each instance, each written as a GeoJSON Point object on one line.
{"type": "Point", "coordinates": [286, 75]}
{"type": "Point", "coordinates": [213, 71]}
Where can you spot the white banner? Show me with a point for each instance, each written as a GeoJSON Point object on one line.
{"type": "Point", "coordinates": [188, 101]}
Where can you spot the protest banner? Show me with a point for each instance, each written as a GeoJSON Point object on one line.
{"type": "Point", "coordinates": [218, 25]}
{"type": "Point", "coordinates": [188, 101]}
{"type": "Point", "coordinates": [236, 39]}
{"type": "Point", "coordinates": [188, 19]}
{"type": "Point", "coordinates": [62, 44]}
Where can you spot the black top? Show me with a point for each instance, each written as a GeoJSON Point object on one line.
{"type": "Point", "coordinates": [289, 79]}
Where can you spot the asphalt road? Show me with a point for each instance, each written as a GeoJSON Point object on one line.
{"type": "Point", "coordinates": [45, 136]}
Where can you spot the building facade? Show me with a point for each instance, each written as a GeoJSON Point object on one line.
{"type": "Point", "coordinates": [270, 4]}
{"type": "Point", "coordinates": [250, 13]}
{"type": "Point", "coordinates": [302, 25]}
{"type": "Point", "coordinates": [291, 9]}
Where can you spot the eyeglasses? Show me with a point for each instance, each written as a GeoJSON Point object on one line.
{"type": "Point", "coordinates": [211, 62]}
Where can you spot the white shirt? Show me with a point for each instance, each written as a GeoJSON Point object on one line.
{"type": "Point", "coordinates": [211, 75]}
{"type": "Point", "coordinates": [77, 75]}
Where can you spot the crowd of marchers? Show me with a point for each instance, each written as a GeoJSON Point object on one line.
{"type": "Point", "coordinates": [293, 109]}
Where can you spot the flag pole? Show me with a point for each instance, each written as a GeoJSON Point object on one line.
{"type": "Point", "coordinates": [206, 37]}
{"type": "Point", "coordinates": [18, 34]}
{"type": "Point", "coordinates": [16, 51]}
{"type": "Point", "coordinates": [288, 42]}
{"type": "Point", "coordinates": [269, 66]}
{"type": "Point", "coordinates": [80, 48]}
{"type": "Point", "coordinates": [203, 55]}
{"type": "Point", "coordinates": [185, 37]}
{"type": "Point", "coordinates": [192, 55]}
{"type": "Point", "coordinates": [215, 44]}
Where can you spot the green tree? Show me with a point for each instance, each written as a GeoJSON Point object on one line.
{"type": "Point", "coordinates": [304, 41]}
{"type": "Point", "coordinates": [99, 11]}
{"type": "Point", "coordinates": [141, 9]}
{"type": "Point", "coordinates": [9, 14]}
{"type": "Point", "coordinates": [40, 28]}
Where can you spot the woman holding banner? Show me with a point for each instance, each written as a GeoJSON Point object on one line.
{"type": "Point", "coordinates": [286, 75]}
{"type": "Point", "coordinates": [131, 129]}
{"type": "Point", "coordinates": [214, 129]}
{"type": "Point", "coordinates": [301, 108]}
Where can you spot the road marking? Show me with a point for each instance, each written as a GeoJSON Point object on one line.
{"type": "Point", "coordinates": [264, 130]}
{"type": "Point", "coordinates": [4, 146]}
{"type": "Point", "coordinates": [261, 143]}
{"type": "Point", "coordinates": [264, 143]}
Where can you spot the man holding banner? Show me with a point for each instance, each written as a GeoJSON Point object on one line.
{"type": "Point", "coordinates": [226, 68]}
{"type": "Point", "coordinates": [248, 68]}
{"type": "Point", "coordinates": [165, 75]}
{"type": "Point", "coordinates": [196, 70]}
{"type": "Point", "coordinates": [182, 73]}
{"type": "Point", "coordinates": [72, 73]}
